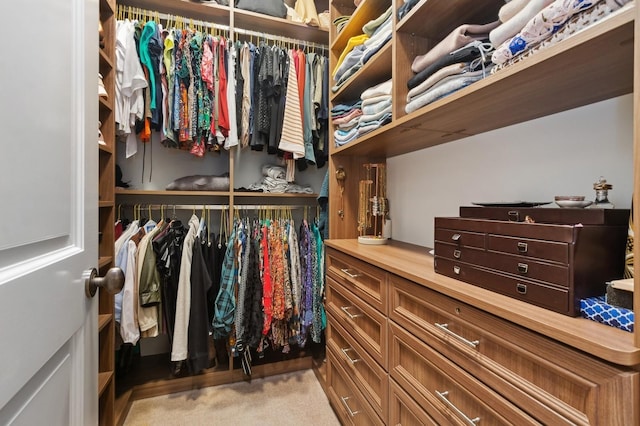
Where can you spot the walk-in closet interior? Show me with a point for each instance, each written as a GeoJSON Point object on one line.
{"type": "Point", "coordinates": [217, 179]}
{"type": "Point", "coordinates": [429, 115]}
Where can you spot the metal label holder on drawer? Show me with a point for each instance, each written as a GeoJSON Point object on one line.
{"type": "Point", "coordinates": [562, 257]}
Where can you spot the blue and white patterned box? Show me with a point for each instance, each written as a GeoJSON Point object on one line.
{"type": "Point", "coordinates": [596, 309]}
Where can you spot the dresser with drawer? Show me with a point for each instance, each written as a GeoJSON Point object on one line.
{"type": "Point", "coordinates": [409, 346]}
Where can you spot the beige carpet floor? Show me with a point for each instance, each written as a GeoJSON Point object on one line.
{"type": "Point", "coordinates": [287, 399]}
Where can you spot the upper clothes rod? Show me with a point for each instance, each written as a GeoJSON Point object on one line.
{"type": "Point", "coordinates": [124, 11]}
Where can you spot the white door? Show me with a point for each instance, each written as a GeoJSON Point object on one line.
{"type": "Point", "coordinates": [48, 211]}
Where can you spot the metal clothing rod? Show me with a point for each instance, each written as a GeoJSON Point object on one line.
{"type": "Point", "coordinates": [279, 38]}
{"type": "Point", "coordinates": [136, 11]}
{"type": "Point", "coordinates": [216, 206]}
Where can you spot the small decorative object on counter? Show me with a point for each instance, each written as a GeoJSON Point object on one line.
{"type": "Point", "coordinates": [602, 194]}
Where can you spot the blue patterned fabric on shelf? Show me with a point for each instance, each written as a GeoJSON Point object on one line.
{"type": "Point", "coordinates": [596, 309]}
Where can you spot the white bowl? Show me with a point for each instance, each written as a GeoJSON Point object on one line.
{"type": "Point", "coordinates": [573, 204]}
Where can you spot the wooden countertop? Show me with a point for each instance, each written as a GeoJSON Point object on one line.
{"type": "Point", "coordinates": [416, 264]}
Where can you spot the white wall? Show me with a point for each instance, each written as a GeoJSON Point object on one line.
{"type": "Point", "coordinates": [562, 154]}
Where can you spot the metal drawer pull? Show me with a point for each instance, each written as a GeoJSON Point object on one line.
{"type": "Point", "coordinates": [521, 288]}
{"type": "Point", "coordinates": [346, 271]}
{"type": "Point", "coordinates": [345, 352]}
{"type": "Point", "coordinates": [514, 216]}
{"type": "Point", "coordinates": [345, 309]}
{"type": "Point", "coordinates": [522, 247]}
{"type": "Point", "coordinates": [456, 254]}
{"type": "Point", "coordinates": [456, 269]}
{"type": "Point", "coordinates": [349, 410]}
{"type": "Point", "coordinates": [467, 419]}
{"type": "Point", "coordinates": [456, 237]}
{"type": "Point", "coordinates": [523, 268]}
{"type": "Point", "coordinates": [445, 328]}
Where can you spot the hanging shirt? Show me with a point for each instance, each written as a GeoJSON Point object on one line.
{"type": "Point", "coordinates": [179, 349]}
{"type": "Point", "coordinates": [292, 135]}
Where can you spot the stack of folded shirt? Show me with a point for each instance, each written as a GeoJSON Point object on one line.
{"type": "Point", "coordinates": [376, 107]}
{"type": "Point", "coordinates": [345, 118]}
{"type": "Point", "coordinates": [455, 62]}
{"type": "Point", "coordinates": [447, 74]}
{"type": "Point", "coordinates": [560, 16]}
{"type": "Point", "coordinates": [340, 22]}
{"type": "Point", "coordinates": [445, 81]}
{"type": "Point", "coordinates": [350, 56]}
{"type": "Point", "coordinates": [376, 33]}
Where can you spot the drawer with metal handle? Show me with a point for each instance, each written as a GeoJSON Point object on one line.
{"type": "Point", "coordinates": [367, 374]}
{"type": "Point", "coordinates": [366, 324]}
{"type": "Point", "coordinates": [361, 278]}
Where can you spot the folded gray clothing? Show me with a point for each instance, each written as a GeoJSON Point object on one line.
{"type": "Point", "coordinates": [374, 117]}
{"type": "Point", "coordinates": [372, 50]}
{"type": "Point", "coordinates": [465, 54]}
{"type": "Point", "coordinates": [376, 108]}
{"type": "Point", "coordinates": [452, 69]}
{"type": "Point", "coordinates": [200, 183]}
{"type": "Point", "coordinates": [275, 172]}
{"type": "Point", "coordinates": [346, 76]}
{"type": "Point", "coordinates": [444, 87]}
{"type": "Point", "coordinates": [370, 27]}
{"type": "Point", "coordinates": [384, 118]}
{"type": "Point", "coordinates": [351, 59]}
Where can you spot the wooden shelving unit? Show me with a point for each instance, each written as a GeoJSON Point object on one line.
{"type": "Point", "coordinates": [152, 377]}
{"type": "Point", "coordinates": [106, 212]}
{"type": "Point", "coordinates": [597, 63]}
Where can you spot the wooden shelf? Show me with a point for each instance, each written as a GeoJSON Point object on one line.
{"type": "Point", "coordinates": [106, 104]}
{"type": "Point", "coordinates": [105, 61]}
{"type": "Point", "coordinates": [415, 264]}
{"type": "Point", "coordinates": [105, 204]}
{"type": "Point", "coordinates": [272, 195]}
{"type": "Point", "coordinates": [440, 15]}
{"type": "Point", "coordinates": [103, 380]}
{"type": "Point", "coordinates": [172, 193]}
{"type": "Point", "coordinates": [246, 20]}
{"type": "Point", "coordinates": [535, 87]}
{"type": "Point", "coordinates": [208, 12]}
{"type": "Point", "coordinates": [107, 7]}
{"type": "Point", "coordinates": [103, 321]}
{"type": "Point", "coordinates": [368, 10]}
{"type": "Point", "coordinates": [105, 148]}
{"type": "Point", "coordinates": [104, 261]}
{"type": "Point", "coordinates": [375, 71]}
{"type": "Point", "coordinates": [242, 19]}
